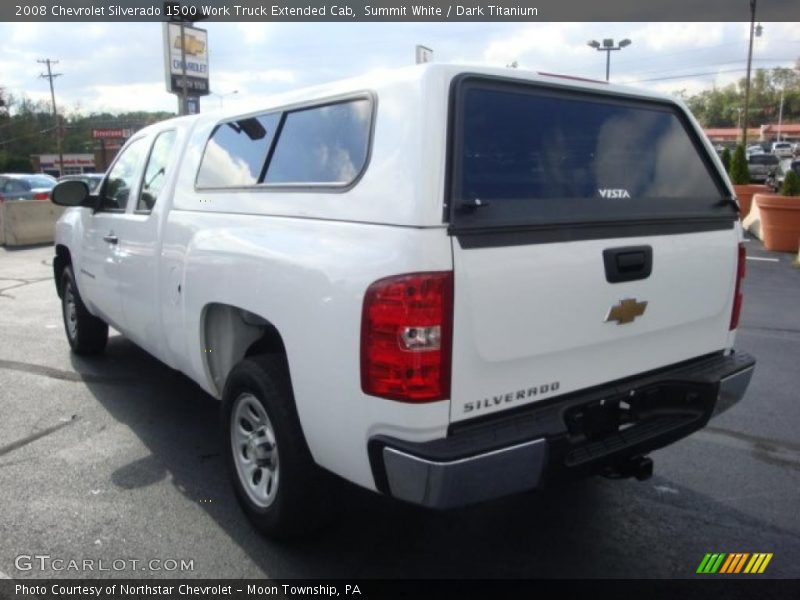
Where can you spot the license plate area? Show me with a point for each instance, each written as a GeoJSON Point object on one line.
{"type": "Point", "coordinates": [609, 425]}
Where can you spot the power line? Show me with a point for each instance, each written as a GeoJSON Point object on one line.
{"type": "Point", "coordinates": [28, 135]}
{"type": "Point", "coordinates": [691, 51]}
{"type": "Point", "coordinates": [657, 56]}
{"type": "Point", "coordinates": [713, 64]}
{"type": "Point", "coordinates": [687, 75]}
{"type": "Point", "coordinates": [50, 76]}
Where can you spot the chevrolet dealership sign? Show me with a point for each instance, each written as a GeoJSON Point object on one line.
{"type": "Point", "coordinates": [195, 50]}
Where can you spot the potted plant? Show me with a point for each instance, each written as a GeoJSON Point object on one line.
{"type": "Point", "coordinates": [740, 178]}
{"type": "Point", "coordinates": [780, 215]}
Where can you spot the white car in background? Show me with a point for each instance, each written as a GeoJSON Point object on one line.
{"type": "Point", "coordinates": [754, 149]}
{"type": "Point", "coordinates": [782, 149]}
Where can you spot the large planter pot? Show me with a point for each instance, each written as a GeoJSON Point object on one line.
{"type": "Point", "coordinates": [780, 221]}
{"type": "Point", "coordinates": [745, 195]}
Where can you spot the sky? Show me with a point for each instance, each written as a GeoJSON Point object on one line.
{"type": "Point", "coordinates": [118, 67]}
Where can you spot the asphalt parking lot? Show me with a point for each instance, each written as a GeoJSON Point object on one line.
{"type": "Point", "coordinates": [117, 458]}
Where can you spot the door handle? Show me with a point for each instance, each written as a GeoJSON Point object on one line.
{"type": "Point", "coordinates": [111, 238]}
{"type": "Point", "coordinates": [630, 263]}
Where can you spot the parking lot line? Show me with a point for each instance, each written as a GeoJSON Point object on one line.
{"type": "Point", "coordinates": [763, 259]}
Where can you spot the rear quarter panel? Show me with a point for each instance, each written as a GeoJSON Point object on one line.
{"type": "Point", "coordinates": [302, 259]}
{"type": "Point", "coordinates": [308, 279]}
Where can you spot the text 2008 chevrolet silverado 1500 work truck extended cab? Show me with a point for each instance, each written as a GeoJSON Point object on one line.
{"type": "Point", "coordinates": [443, 283]}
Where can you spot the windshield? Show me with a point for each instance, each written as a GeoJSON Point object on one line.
{"type": "Point", "coordinates": [41, 182]}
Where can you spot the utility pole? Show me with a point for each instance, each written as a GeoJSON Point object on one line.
{"type": "Point", "coordinates": [757, 32]}
{"type": "Point", "coordinates": [50, 76]}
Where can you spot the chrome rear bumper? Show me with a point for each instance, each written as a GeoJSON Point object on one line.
{"type": "Point", "coordinates": [465, 481]}
{"type": "Point", "coordinates": [510, 454]}
{"type": "Point", "coordinates": [732, 389]}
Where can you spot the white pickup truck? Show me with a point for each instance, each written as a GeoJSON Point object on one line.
{"type": "Point", "coordinates": [443, 283]}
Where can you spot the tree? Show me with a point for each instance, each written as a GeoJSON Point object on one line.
{"type": "Point", "coordinates": [739, 173]}
{"type": "Point", "coordinates": [726, 159]}
{"type": "Point", "coordinates": [720, 107]}
{"type": "Point", "coordinates": [16, 164]}
{"type": "Point", "coordinates": [26, 128]}
{"type": "Point", "coordinates": [791, 184]}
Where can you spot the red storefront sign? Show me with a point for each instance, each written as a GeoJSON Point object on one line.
{"type": "Point", "coordinates": [111, 134]}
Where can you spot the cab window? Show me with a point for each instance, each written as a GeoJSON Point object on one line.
{"type": "Point", "coordinates": [122, 177]}
{"type": "Point", "coordinates": [155, 173]}
{"type": "Point", "coordinates": [235, 154]}
{"type": "Point", "coordinates": [322, 145]}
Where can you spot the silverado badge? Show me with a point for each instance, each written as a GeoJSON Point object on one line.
{"type": "Point", "coordinates": [626, 311]}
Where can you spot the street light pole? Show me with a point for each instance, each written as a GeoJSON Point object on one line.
{"type": "Point", "coordinates": [222, 96]}
{"type": "Point", "coordinates": [608, 47]}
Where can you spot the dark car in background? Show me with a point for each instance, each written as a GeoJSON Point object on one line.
{"type": "Point", "coordinates": [92, 180]}
{"type": "Point", "coordinates": [760, 165]}
{"type": "Point", "coordinates": [22, 186]}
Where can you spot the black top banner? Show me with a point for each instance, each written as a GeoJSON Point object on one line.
{"type": "Point", "coordinates": [400, 10]}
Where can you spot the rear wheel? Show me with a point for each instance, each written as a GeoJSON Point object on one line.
{"type": "Point", "coordinates": [86, 333]}
{"type": "Point", "coordinates": [276, 481]}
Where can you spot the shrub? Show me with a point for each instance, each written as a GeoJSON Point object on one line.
{"type": "Point", "coordinates": [791, 184]}
{"type": "Point", "coordinates": [16, 164]}
{"type": "Point", "coordinates": [726, 159]}
{"type": "Point", "coordinates": [738, 171]}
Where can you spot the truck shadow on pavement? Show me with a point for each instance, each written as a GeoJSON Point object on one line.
{"type": "Point", "coordinates": [590, 528]}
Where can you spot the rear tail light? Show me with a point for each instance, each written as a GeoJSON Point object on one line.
{"type": "Point", "coordinates": [406, 335]}
{"type": "Point", "coordinates": [737, 294]}
{"type": "Point", "coordinates": [41, 196]}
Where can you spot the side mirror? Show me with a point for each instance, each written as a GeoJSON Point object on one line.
{"type": "Point", "coordinates": [70, 193]}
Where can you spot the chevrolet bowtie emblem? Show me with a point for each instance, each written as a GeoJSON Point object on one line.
{"type": "Point", "coordinates": [626, 311]}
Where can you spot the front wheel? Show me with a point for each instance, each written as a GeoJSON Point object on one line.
{"type": "Point", "coordinates": [86, 333]}
{"type": "Point", "coordinates": [274, 476]}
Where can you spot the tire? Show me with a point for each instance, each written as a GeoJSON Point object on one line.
{"type": "Point", "coordinates": [277, 483]}
{"type": "Point", "coordinates": [86, 333]}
